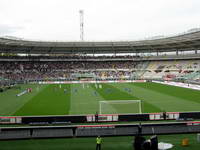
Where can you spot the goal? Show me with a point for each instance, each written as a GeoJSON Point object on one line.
{"type": "Point", "coordinates": [120, 106]}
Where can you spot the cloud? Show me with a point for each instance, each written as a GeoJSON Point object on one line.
{"type": "Point", "coordinates": [8, 29]}
{"type": "Point", "coordinates": [103, 19]}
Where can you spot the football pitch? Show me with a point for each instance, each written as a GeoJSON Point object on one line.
{"type": "Point", "coordinates": [56, 99]}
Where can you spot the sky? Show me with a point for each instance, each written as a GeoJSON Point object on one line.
{"type": "Point", "coordinates": [104, 20]}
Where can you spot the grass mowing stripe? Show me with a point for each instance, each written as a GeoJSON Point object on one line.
{"type": "Point", "coordinates": [146, 105]}
{"type": "Point", "coordinates": [109, 92]}
{"type": "Point", "coordinates": [164, 101]}
{"type": "Point", "coordinates": [183, 93]}
{"type": "Point", "coordinates": [68, 97]}
{"type": "Point", "coordinates": [10, 103]}
{"type": "Point", "coordinates": [84, 99]}
{"type": "Point", "coordinates": [50, 101]}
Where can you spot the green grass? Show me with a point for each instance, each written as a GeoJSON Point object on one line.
{"type": "Point", "coordinates": [79, 99]}
{"type": "Point", "coordinates": [183, 93]}
{"type": "Point", "coordinates": [109, 143]}
{"type": "Point", "coordinates": [51, 100]}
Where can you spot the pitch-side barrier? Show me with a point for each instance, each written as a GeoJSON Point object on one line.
{"type": "Point", "coordinates": [92, 118]}
{"type": "Point", "coordinates": [8, 133]}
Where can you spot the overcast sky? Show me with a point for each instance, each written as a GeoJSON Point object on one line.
{"type": "Point", "coordinates": [103, 19]}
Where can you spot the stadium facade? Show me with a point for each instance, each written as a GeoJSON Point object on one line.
{"type": "Point", "coordinates": [169, 58]}
{"type": "Point", "coordinates": [72, 61]}
{"type": "Point", "coordinates": [184, 42]}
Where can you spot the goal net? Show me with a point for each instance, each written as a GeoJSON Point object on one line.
{"type": "Point", "coordinates": [120, 106]}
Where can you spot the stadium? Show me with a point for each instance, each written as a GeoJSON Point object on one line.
{"type": "Point", "coordinates": [62, 95]}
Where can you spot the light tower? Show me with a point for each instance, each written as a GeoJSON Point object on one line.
{"type": "Point", "coordinates": [81, 25]}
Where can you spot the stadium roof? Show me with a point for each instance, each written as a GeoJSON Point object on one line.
{"type": "Point", "coordinates": [187, 41]}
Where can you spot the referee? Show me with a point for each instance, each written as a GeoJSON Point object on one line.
{"type": "Point", "coordinates": [98, 140]}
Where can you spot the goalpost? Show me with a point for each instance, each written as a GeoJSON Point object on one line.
{"type": "Point", "coordinates": [120, 106]}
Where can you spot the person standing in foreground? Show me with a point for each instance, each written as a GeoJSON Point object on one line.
{"type": "Point", "coordinates": [98, 140]}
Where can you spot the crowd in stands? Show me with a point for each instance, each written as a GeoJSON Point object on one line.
{"type": "Point", "coordinates": [124, 69]}
{"type": "Point", "coordinates": [49, 70]}
{"type": "Point", "coordinates": [70, 57]}
{"type": "Point", "coordinates": [176, 69]}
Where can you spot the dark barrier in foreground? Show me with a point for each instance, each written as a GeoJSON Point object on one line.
{"type": "Point", "coordinates": [111, 118]}
{"type": "Point", "coordinates": [67, 119]}
{"type": "Point", "coordinates": [134, 117]}
{"type": "Point", "coordinates": [95, 130]}
{"type": "Point", "coordinates": [190, 115]}
{"type": "Point", "coordinates": [54, 119]}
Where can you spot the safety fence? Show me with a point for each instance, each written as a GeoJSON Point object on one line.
{"type": "Point", "coordinates": [94, 118]}
{"type": "Point", "coordinates": [98, 130]}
